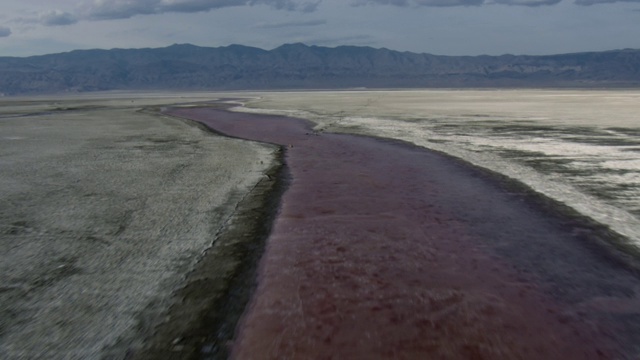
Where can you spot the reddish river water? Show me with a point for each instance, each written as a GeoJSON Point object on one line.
{"type": "Point", "coordinates": [382, 250]}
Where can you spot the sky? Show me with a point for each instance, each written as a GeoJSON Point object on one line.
{"type": "Point", "coordinates": [442, 27]}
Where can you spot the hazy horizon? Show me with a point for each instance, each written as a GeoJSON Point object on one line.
{"type": "Point", "coordinates": [441, 27]}
{"type": "Point", "coordinates": [322, 46]}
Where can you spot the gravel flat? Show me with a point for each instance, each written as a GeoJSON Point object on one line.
{"type": "Point", "coordinates": [104, 209]}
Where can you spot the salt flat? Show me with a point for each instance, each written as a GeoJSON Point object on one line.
{"type": "Point", "coordinates": [599, 108]}
{"type": "Point", "coordinates": [579, 147]}
{"type": "Point", "coordinates": [104, 209]}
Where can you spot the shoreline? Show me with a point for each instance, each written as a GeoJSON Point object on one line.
{"type": "Point", "coordinates": [617, 247]}
{"type": "Point", "coordinates": [206, 308]}
{"type": "Point", "coordinates": [585, 231]}
{"type": "Point", "coordinates": [106, 209]}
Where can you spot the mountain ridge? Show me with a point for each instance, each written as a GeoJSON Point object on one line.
{"type": "Point", "coordinates": [299, 66]}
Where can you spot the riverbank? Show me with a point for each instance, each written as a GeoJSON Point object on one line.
{"type": "Point", "coordinates": [105, 210]}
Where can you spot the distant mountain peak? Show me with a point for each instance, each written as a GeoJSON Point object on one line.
{"type": "Point", "coordinates": [297, 65]}
{"type": "Point", "coordinates": [297, 45]}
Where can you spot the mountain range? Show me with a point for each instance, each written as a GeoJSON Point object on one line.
{"type": "Point", "coordinates": [298, 66]}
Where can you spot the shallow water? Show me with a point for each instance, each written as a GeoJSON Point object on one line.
{"type": "Point", "coordinates": [384, 250]}
{"type": "Point", "coordinates": [581, 148]}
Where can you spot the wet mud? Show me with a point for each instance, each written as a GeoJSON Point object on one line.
{"type": "Point", "coordinates": [385, 250]}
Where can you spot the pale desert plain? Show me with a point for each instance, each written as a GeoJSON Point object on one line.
{"type": "Point", "coordinates": [112, 213]}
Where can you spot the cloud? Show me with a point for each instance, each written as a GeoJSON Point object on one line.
{"type": "Point", "coordinates": [435, 3]}
{"type": "Point", "coordinates": [443, 3]}
{"type": "Point", "coordinates": [594, 2]}
{"type": "Point", "coordinates": [290, 24]}
{"type": "Point", "coordinates": [449, 3]}
{"type": "Point", "coordinates": [117, 9]}
{"type": "Point", "coordinates": [124, 9]}
{"type": "Point", "coordinates": [57, 17]}
{"type": "Point", "coordinates": [4, 31]}
{"type": "Point", "coordinates": [382, 2]}
{"type": "Point", "coordinates": [531, 3]}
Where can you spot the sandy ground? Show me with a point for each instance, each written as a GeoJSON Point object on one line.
{"type": "Point", "coordinates": [104, 210]}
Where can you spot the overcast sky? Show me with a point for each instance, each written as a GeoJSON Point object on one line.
{"type": "Point", "coordinates": [445, 27]}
